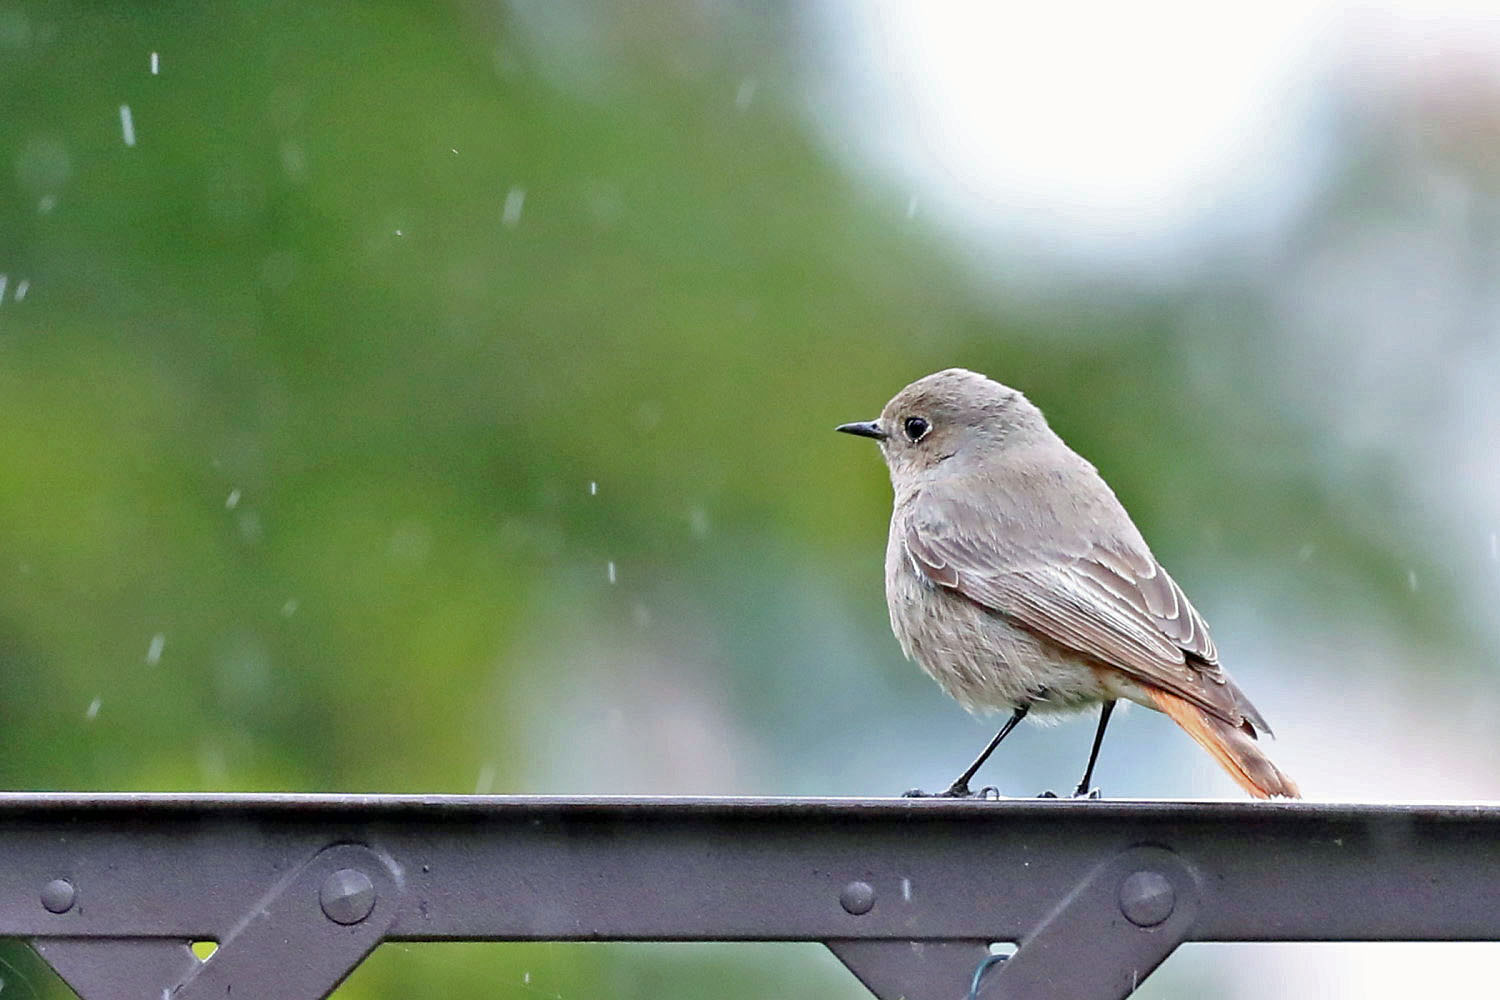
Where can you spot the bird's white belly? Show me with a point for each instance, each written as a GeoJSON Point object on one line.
{"type": "Point", "coordinates": [980, 659]}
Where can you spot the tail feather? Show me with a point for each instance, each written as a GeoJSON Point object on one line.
{"type": "Point", "coordinates": [1234, 748]}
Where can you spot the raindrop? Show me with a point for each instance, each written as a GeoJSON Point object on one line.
{"type": "Point", "coordinates": [233, 500]}
{"type": "Point", "coordinates": [454, 152]}
{"type": "Point", "coordinates": [293, 160]}
{"type": "Point", "coordinates": [24, 285]}
{"type": "Point", "coordinates": [155, 64]}
{"type": "Point", "coordinates": [153, 651]}
{"type": "Point", "coordinates": [698, 522]}
{"type": "Point", "coordinates": [289, 608]}
{"type": "Point", "coordinates": [279, 270]}
{"type": "Point", "coordinates": [906, 890]}
{"type": "Point", "coordinates": [648, 415]}
{"type": "Point", "coordinates": [399, 233]}
{"type": "Point", "coordinates": [1411, 580]}
{"type": "Point", "coordinates": [526, 979]}
{"type": "Point", "coordinates": [3, 280]}
{"type": "Point", "coordinates": [515, 200]}
{"type": "Point", "coordinates": [46, 204]}
{"type": "Point", "coordinates": [92, 712]}
{"type": "Point", "coordinates": [410, 543]}
{"type": "Point", "coordinates": [594, 491]}
{"type": "Point", "coordinates": [611, 572]}
{"type": "Point", "coordinates": [746, 93]}
{"type": "Point", "coordinates": [911, 207]}
{"type": "Point", "coordinates": [1306, 552]}
{"type": "Point", "coordinates": [486, 780]}
{"type": "Point", "coordinates": [1495, 546]}
{"type": "Point", "coordinates": [249, 525]}
{"type": "Point", "coordinates": [43, 166]}
{"type": "Point", "coordinates": [127, 125]}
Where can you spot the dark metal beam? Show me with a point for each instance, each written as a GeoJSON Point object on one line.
{"type": "Point", "coordinates": [891, 884]}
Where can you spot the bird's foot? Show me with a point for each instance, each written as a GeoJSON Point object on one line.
{"type": "Point", "coordinates": [1081, 793]}
{"type": "Point", "coordinates": [957, 790]}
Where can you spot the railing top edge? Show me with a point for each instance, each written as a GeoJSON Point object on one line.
{"type": "Point", "coordinates": [300, 803]}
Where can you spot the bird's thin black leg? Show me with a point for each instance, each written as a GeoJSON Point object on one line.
{"type": "Point", "coordinates": [1088, 772]}
{"type": "Point", "coordinates": [960, 787]}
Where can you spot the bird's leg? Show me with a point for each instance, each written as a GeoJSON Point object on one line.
{"type": "Point", "coordinates": [1088, 772]}
{"type": "Point", "coordinates": [960, 787]}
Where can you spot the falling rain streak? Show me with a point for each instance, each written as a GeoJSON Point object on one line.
{"type": "Point", "coordinates": [153, 651]}
{"type": "Point", "coordinates": [155, 64]}
{"type": "Point", "coordinates": [127, 125]}
{"type": "Point", "coordinates": [611, 572]}
{"type": "Point", "coordinates": [515, 200]}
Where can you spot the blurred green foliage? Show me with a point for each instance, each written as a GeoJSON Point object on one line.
{"type": "Point", "coordinates": [303, 402]}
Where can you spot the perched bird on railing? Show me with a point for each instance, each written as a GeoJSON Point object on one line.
{"type": "Point", "coordinates": [1017, 581]}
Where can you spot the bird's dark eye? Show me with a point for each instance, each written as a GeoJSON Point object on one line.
{"type": "Point", "coordinates": [916, 428]}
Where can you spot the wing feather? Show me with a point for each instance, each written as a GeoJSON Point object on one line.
{"type": "Point", "coordinates": [1107, 598]}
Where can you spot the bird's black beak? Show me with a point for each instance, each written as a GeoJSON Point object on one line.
{"type": "Point", "coordinates": [867, 429]}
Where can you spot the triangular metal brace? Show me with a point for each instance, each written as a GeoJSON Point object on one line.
{"type": "Point", "coordinates": [1099, 943]}
{"type": "Point", "coordinates": [298, 942]}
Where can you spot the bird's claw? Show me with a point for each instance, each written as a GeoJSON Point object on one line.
{"type": "Point", "coordinates": [1092, 793]}
{"type": "Point", "coordinates": [954, 791]}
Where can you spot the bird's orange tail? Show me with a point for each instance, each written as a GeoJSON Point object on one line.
{"type": "Point", "coordinates": [1233, 747]}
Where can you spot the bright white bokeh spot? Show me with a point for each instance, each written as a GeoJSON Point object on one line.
{"type": "Point", "coordinates": [1094, 123]}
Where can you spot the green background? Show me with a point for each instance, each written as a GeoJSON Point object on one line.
{"type": "Point", "coordinates": [322, 469]}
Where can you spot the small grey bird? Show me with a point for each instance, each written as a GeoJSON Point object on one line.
{"type": "Point", "coordinates": [1017, 581]}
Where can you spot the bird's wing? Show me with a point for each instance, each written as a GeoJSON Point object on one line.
{"type": "Point", "coordinates": [1106, 597]}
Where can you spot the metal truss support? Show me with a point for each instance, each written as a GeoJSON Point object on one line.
{"type": "Point", "coordinates": [910, 894]}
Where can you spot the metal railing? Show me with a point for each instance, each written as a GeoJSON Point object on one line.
{"type": "Point", "coordinates": [111, 889]}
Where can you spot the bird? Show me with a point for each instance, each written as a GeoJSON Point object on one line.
{"type": "Point", "coordinates": [1017, 581]}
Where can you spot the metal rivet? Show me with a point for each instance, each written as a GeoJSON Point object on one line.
{"type": "Point", "coordinates": [857, 897]}
{"type": "Point", "coordinates": [58, 895]}
{"type": "Point", "coordinates": [1147, 898]}
{"type": "Point", "coordinates": [347, 896]}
